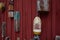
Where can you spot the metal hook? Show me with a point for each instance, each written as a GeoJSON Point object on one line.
{"type": "Point", "coordinates": [36, 37]}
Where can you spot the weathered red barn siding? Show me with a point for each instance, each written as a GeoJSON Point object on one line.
{"type": "Point", "coordinates": [57, 18]}
{"type": "Point", "coordinates": [28, 11]}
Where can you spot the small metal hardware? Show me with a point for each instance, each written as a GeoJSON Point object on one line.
{"type": "Point", "coordinates": [36, 37]}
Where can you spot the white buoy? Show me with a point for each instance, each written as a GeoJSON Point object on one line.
{"type": "Point", "coordinates": [37, 25]}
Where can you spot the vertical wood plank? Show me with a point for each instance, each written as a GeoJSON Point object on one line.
{"type": "Point", "coordinates": [24, 20]}
{"type": "Point", "coordinates": [28, 16]}
{"type": "Point", "coordinates": [53, 18]}
{"type": "Point", "coordinates": [20, 2]}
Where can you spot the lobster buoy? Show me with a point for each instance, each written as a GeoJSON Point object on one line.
{"type": "Point", "coordinates": [2, 6]}
{"type": "Point", "coordinates": [37, 25]}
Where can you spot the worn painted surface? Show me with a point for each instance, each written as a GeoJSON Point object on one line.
{"type": "Point", "coordinates": [28, 12]}
{"type": "Point", "coordinates": [57, 18]}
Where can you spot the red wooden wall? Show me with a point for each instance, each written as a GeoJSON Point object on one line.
{"type": "Point", "coordinates": [58, 18]}
{"type": "Point", "coordinates": [27, 8]}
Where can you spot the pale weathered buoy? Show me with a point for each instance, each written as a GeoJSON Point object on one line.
{"type": "Point", "coordinates": [37, 25]}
